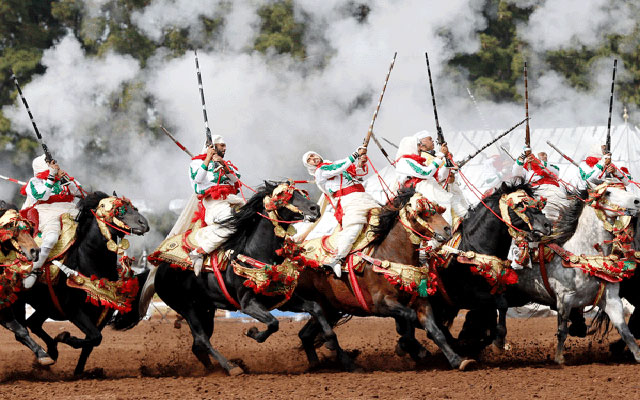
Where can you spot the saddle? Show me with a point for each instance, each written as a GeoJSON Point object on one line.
{"type": "Point", "coordinates": [175, 251]}
{"type": "Point", "coordinates": [321, 250]}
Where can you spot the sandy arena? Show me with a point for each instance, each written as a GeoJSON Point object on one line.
{"type": "Point", "coordinates": [154, 360]}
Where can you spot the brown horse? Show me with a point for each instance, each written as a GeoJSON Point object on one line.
{"type": "Point", "coordinates": [17, 251]}
{"type": "Point", "coordinates": [398, 237]}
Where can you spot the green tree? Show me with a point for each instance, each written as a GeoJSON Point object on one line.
{"type": "Point", "coordinates": [279, 30]}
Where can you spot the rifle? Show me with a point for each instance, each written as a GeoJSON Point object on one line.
{"type": "Point", "coordinates": [180, 145]}
{"type": "Point", "coordinates": [47, 155]}
{"type": "Point", "coordinates": [390, 142]}
{"type": "Point", "coordinates": [365, 143]}
{"type": "Point", "coordinates": [566, 157]}
{"type": "Point", "coordinates": [527, 135]}
{"type": "Point", "coordinates": [204, 107]}
{"type": "Point", "coordinates": [466, 160]}
{"type": "Point", "coordinates": [6, 178]}
{"type": "Point", "coordinates": [440, 140]}
{"type": "Point", "coordinates": [607, 146]}
{"type": "Point", "coordinates": [507, 153]}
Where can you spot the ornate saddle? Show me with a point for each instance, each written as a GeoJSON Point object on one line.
{"type": "Point", "coordinates": [175, 251]}
{"type": "Point", "coordinates": [322, 249]}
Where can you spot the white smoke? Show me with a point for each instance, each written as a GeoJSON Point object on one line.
{"type": "Point", "coordinates": [573, 23]}
{"type": "Point", "coordinates": [272, 108]}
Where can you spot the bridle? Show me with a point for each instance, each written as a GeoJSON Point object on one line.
{"type": "Point", "coordinates": [416, 209]}
{"type": "Point", "coordinates": [519, 202]}
{"type": "Point", "coordinates": [618, 228]}
{"type": "Point", "coordinates": [280, 198]}
{"type": "Point", "coordinates": [11, 225]}
{"type": "Point", "coordinates": [108, 214]}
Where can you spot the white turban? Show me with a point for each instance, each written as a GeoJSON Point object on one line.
{"type": "Point", "coordinates": [217, 139]}
{"type": "Point", "coordinates": [408, 145]}
{"type": "Point", "coordinates": [422, 134]}
{"type": "Point", "coordinates": [39, 165]}
{"type": "Point", "coordinates": [311, 169]}
{"type": "Point", "coordinates": [595, 150]}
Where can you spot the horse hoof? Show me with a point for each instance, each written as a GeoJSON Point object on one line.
{"type": "Point", "coordinates": [62, 336]}
{"type": "Point", "coordinates": [399, 351]}
{"type": "Point", "coordinates": [252, 332]}
{"type": "Point", "coordinates": [177, 324]}
{"type": "Point", "coordinates": [496, 349]}
{"type": "Point", "coordinates": [559, 360]}
{"type": "Point", "coordinates": [235, 371]}
{"type": "Point", "coordinates": [466, 365]}
{"type": "Point", "coordinates": [45, 361]}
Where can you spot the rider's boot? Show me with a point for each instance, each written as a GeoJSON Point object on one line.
{"type": "Point", "coordinates": [48, 243]}
{"type": "Point", "coordinates": [197, 259]}
{"type": "Point", "coordinates": [335, 265]}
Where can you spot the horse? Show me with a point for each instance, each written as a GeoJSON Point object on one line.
{"type": "Point", "coordinates": [581, 232]}
{"type": "Point", "coordinates": [259, 228]}
{"type": "Point", "coordinates": [396, 242]}
{"type": "Point", "coordinates": [485, 235]}
{"type": "Point", "coordinates": [17, 247]}
{"type": "Point", "coordinates": [95, 258]}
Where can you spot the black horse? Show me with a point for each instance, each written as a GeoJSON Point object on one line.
{"type": "Point", "coordinates": [17, 238]}
{"type": "Point", "coordinates": [196, 298]}
{"type": "Point", "coordinates": [90, 256]}
{"type": "Point", "coordinates": [483, 233]}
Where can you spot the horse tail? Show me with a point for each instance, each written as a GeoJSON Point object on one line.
{"type": "Point", "coordinates": [600, 324]}
{"type": "Point", "coordinates": [124, 321]}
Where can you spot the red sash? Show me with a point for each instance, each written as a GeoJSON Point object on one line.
{"type": "Point", "coordinates": [349, 189]}
{"type": "Point", "coordinates": [220, 192]}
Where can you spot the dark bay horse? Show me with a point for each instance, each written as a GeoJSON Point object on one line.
{"type": "Point", "coordinates": [381, 297]}
{"type": "Point", "coordinates": [90, 255]}
{"type": "Point", "coordinates": [16, 239]}
{"type": "Point", "coordinates": [196, 298]}
{"type": "Point", "coordinates": [484, 233]}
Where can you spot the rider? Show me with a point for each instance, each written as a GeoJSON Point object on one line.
{"type": "Point", "coordinates": [417, 164]}
{"type": "Point", "coordinates": [51, 192]}
{"type": "Point", "coordinates": [340, 182]}
{"type": "Point", "coordinates": [596, 167]}
{"type": "Point", "coordinates": [216, 184]}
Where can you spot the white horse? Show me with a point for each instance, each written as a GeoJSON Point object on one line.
{"type": "Point", "coordinates": [579, 229]}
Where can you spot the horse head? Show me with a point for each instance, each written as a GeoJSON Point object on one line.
{"type": "Point", "coordinates": [425, 219]}
{"type": "Point", "coordinates": [524, 213]}
{"type": "Point", "coordinates": [287, 202]}
{"type": "Point", "coordinates": [612, 199]}
{"type": "Point", "coordinates": [120, 214]}
{"type": "Point", "coordinates": [16, 233]}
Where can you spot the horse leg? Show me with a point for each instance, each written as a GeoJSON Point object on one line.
{"type": "Point", "coordinates": [320, 322]}
{"type": "Point", "coordinates": [407, 343]}
{"type": "Point", "coordinates": [35, 323]}
{"type": "Point", "coordinates": [202, 346]}
{"type": "Point", "coordinates": [563, 321]}
{"type": "Point", "coordinates": [427, 320]}
{"type": "Point", "coordinates": [22, 335]}
{"type": "Point", "coordinates": [614, 309]}
{"type": "Point", "coordinates": [256, 310]}
{"type": "Point", "coordinates": [501, 330]}
{"type": "Point", "coordinates": [93, 338]}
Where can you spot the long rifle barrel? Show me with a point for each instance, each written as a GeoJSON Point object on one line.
{"type": "Point", "coordinates": [47, 154]}
{"type": "Point", "coordinates": [466, 160]}
{"type": "Point", "coordinates": [527, 135]}
{"type": "Point", "coordinates": [180, 145]}
{"type": "Point", "coordinates": [613, 81]}
{"type": "Point", "coordinates": [204, 107]}
{"type": "Point", "coordinates": [507, 153]}
{"type": "Point", "coordinates": [375, 113]}
{"type": "Point", "coordinates": [566, 157]}
{"type": "Point", "coordinates": [6, 178]}
{"type": "Point", "coordinates": [440, 138]}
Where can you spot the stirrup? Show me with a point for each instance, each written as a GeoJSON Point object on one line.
{"type": "Point", "coordinates": [197, 259]}
{"type": "Point", "coordinates": [336, 266]}
{"type": "Point", "coordinates": [30, 280]}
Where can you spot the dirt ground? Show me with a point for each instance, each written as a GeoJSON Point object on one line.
{"type": "Point", "coordinates": [154, 360]}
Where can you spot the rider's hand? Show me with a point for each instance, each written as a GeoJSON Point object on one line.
{"type": "Point", "coordinates": [362, 150]}
{"type": "Point", "coordinates": [444, 149]}
{"type": "Point", "coordinates": [53, 167]}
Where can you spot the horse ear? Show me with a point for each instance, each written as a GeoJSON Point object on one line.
{"type": "Point", "coordinates": [504, 187]}
{"type": "Point", "coordinates": [115, 194]}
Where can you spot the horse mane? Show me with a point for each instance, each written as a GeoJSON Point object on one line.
{"type": "Point", "coordinates": [389, 214]}
{"type": "Point", "coordinates": [4, 207]}
{"type": "Point", "coordinates": [244, 220]}
{"type": "Point", "coordinates": [477, 214]}
{"type": "Point", "coordinates": [85, 206]}
{"type": "Point", "coordinates": [567, 223]}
